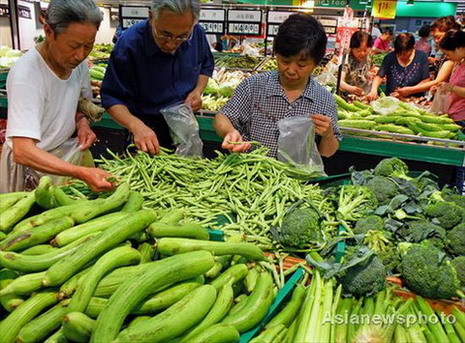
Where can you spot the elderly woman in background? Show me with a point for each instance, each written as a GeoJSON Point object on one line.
{"type": "Point", "coordinates": [403, 67]}
{"type": "Point", "coordinates": [356, 78]}
{"type": "Point", "coordinates": [442, 66]}
{"type": "Point", "coordinates": [44, 88]}
{"type": "Point", "coordinates": [382, 44]}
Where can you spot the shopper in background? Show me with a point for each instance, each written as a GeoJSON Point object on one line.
{"type": "Point", "coordinates": [403, 67]}
{"type": "Point", "coordinates": [156, 63]}
{"type": "Point", "coordinates": [423, 43]}
{"type": "Point", "coordinates": [356, 78]}
{"type": "Point", "coordinates": [453, 46]}
{"type": "Point", "coordinates": [375, 31]}
{"type": "Point", "coordinates": [260, 101]}
{"type": "Point", "coordinates": [442, 67]}
{"type": "Point", "coordinates": [43, 90]}
{"type": "Point", "coordinates": [383, 43]}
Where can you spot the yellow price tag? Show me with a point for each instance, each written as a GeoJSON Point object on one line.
{"type": "Point", "coordinates": [384, 9]}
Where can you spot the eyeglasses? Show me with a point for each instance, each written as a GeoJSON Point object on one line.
{"type": "Point", "coordinates": [170, 38]}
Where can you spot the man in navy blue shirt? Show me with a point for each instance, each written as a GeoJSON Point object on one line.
{"type": "Point", "coordinates": [156, 63]}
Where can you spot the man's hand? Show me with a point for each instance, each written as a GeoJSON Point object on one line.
{"type": "Point", "coordinates": [230, 142]}
{"type": "Point", "coordinates": [194, 100]}
{"type": "Point", "coordinates": [96, 179]}
{"type": "Point", "coordinates": [323, 125]}
{"type": "Point", "coordinates": [146, 139]}
{"type": "Point", "coordinates": [86, 137]}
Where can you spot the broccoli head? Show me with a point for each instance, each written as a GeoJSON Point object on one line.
{"type": "Point", "coordinates": [379, 242]}
{"type": "Point", "coordinates": [457, 199]}
{"type": "Point", "coordinates": [384, 189]}
{"type": "Point", "coordinates": [447, 214]}
{"type": "Point", "coordinates": [365, 278]}
{"type": "Point", "coordinates": [420, 230]}
{"type": "Point", "coordinates": [455, 240]}
{"type": "Point", "coordinates": [392, 167]}
{"type": "Point", "coordinates": [459, 264]}
{"type": "Point", "coordinates": [372, 222]}
{"type": "Point", "coordinates": [355, 202]}
{"type": "Point", "coordinates": [390, 257]}
{"type": "Point", "coordinates": [428, 273]}
{"type": "Point", "coordinates": [301, 229]}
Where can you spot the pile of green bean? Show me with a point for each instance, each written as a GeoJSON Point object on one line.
{"type": "Point", "coordinates": [251, 192]}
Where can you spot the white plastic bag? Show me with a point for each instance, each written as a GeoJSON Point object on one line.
{"type": "Point", "coordinates": [386, 105]}
{"type": "Point", "coordinates": [441, 102]}
{"type": "Point", "coordinates": [184, 129]}
{"type": "Point", "coordinates": [296, 144]}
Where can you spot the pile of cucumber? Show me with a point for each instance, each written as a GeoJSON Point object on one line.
{"type": "Point", "coordinates": [103, 270]}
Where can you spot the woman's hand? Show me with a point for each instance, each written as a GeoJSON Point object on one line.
{"type": "Point", "coordinates": [356, 90]}
{"type": "Point", "coordinates": [373, 95]}
{"type": "Point", "coordinates": [323, 125]}
{"type": "Point", "coordinates": [86, 137]}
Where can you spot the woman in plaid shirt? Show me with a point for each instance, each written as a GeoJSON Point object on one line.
{"type": "Point", "coordinates": [260, 101]}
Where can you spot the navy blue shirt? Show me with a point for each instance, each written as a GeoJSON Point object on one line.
{"type": "Point", "coordinates": [145, 79]}
{"type": "Point", "coordinates": [399, 76]}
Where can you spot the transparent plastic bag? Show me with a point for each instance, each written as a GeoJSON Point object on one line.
{"type": "Point", "coordinates": [386, 105]}
{"type": "Point", "coordinates": [184, 129]}
{"type": "Point", "coordinates": [297, 146]}
{"type": "Point", "coordinates": [328, 77]}
{"type": "Point", "coordinates": [441, 102]}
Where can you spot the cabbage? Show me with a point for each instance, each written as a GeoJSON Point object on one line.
{"type": "Point", "coordinates": [212, 87]}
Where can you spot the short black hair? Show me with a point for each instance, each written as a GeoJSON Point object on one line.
{"type": "Point", "coordinates": [360, 37]}
{"type": "Point", "coordinates": [452, 40]}
{"type": "Point", "coordinates": [445, 24]}
{"type": "Point", "coordinates": [404, 42]}
{"type": "Point", "coordinates": [424, 31]}
{"type": "Point", "coordinates": [387, 30]}
{"type": "Point", "coordinates": [301, 34]}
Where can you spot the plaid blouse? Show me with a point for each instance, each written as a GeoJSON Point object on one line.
{"type": "Point", "coordinates": [259, 102]}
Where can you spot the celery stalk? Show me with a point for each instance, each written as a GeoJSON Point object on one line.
{"type": "Point", "coordinates": [400, 335]}
{"type": "Point", "coordinates": [343, 310]}
{"type": "Point", "coordinates": [304, 316]}
{"type": "Point", "coordinates": [460, 331]}
{"type": "Point", "coordinates": [436, 328]}
{"type": "Point", "coordinates": [312, 332]}
{"type": "Point", "coordinates": [336, 302]}
{"type": "Point", "coordinates": [325, 311]}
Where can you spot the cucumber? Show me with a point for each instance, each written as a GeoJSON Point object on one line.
{"type": "Point", "coordinates": [214, 271]}
{"type": "Point", "coordinates": [10, 301]}
{"type": "Point", "coordinates": [287, 315]}
{"type": "Point", "coordinates": [12, 324]}
{"type": "Point", "coordinates": [172, 246]}
{"type": "Point", "coordinates": [219, 333]}
{"type": "Point", "coordinates": [70, 286]}
{"type": "Point", "coordinates": [13, 198]}
{"type": "Point", "coordinates": [24, 284]}
{"type": "Point", "coordinates": [13, 214]}
{"type": "Point", "coordinates": [251, 279]}
{"type": "Point", "coordinates": [62, 199]}
{"type": "Point", "coordinates": [236, 272]}
{"type": "Point", "coordinates": [134, 202]}
{"type": "Point", "coordinates": [173, 321]}
{"type": "Point", "coordinates": [133, 291]}
{"type": "Point", "coordinates": [269, 335]}
{"type": "Point", "coordinates": [240, 302]}
{"type": "Point", "coordinates": [221, 307]}
{"type": "Point", "coordinates": [256, 306]}
{"type": "Point", "coordinates": [146, 251]}
{"type": "Point", "coordinates": [115, 258]}
{"type": "Point", "coordinates": [112, 281]}
{"type": "Point", "coordinates": [185, 230]}
{"type": "Point", "coordinates": [39, 249]}
{"type": "Point", "coordinates": [138, 320]}
{"type": "Point", "coordinates": [159, 301]}
{"type": "Point", "coordinates": [77, 327]}
{"type": "Point", "coordinates": [37, 263]}
{"type": "Point", "coordinates": [44, 193]}
{"type": "Point", "coordinates": [117, 233]}
{"type": "Point", "coordinates": [57, 337]}
{"type": "Point", "coordinates": [95, 225]}
{"type": "Point", "coordinates": [42, 326]}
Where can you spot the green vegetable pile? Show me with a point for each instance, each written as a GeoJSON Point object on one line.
{"type": "Point", "coordinates": [246, 62]}
{"type": "Point", "coordinates": [377, 59]}
{"type": "Point", "coordinates": [101, 51]}
{"type": "Point", "coordinates": [390, 115]}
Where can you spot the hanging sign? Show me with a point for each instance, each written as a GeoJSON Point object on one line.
{"type": "Point", "coordinates": [131, 15]}
{"type": "Point", "coordinates": [384, 9]}
{"type": "Point", "coordinates": [245, 22]}
{"type": "Point", "coordinates": [275, 18]}
{"type": "Point", "coordinates": [24, 12]}
{"type": "Point", "coordinates": [4, 11]}
{"type": "Point", "coordinates": [213, 21]}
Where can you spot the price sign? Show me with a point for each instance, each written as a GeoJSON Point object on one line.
{"type": "Point", "coordinates": [24, 12]}
{"type": "Point", "coordinates": [275, 18]}
{"type": "Point", "coordinates": [245, 22]}
{"type": "Point", "coordinates": [213, 21]}
{"type": "Point", "coordinates": [385, 9]}
{"type": "Point", "coordinates": [131, 15]}
{"type": "Point", "coordinates": [4, 11]}
{"type": "Point", "coordinates": [330, 3]}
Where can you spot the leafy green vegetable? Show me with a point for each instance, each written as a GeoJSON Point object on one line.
{"type": "Point", "coordinates": [455, 240]}
{"type": "Point", "coordinates": [447, 214]}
